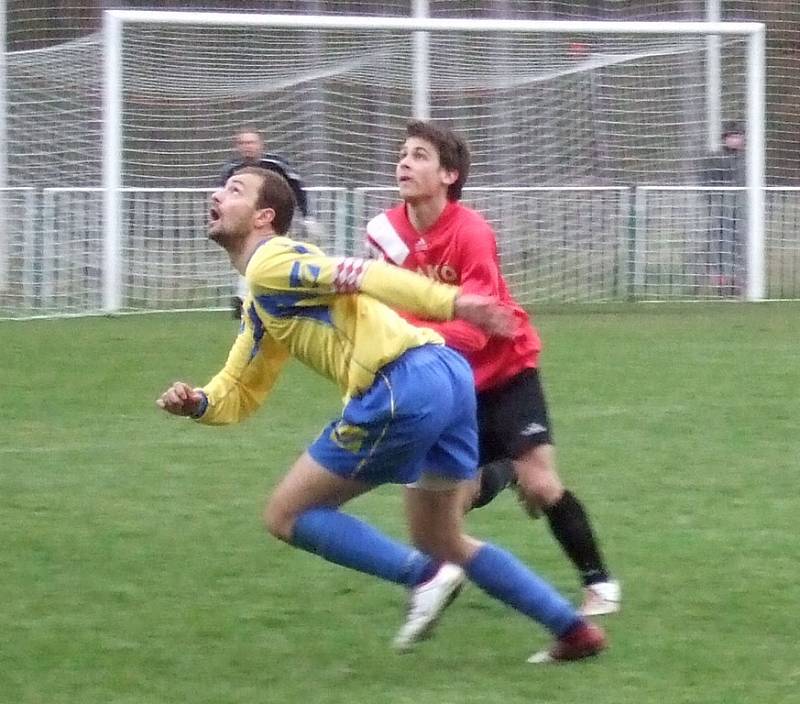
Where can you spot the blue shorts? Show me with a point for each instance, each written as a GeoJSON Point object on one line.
{"type": "Point", "coordinates": [418, 415]}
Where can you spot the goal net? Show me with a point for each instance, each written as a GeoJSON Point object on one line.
{"type": "Point", "coordinates": [590, 150]}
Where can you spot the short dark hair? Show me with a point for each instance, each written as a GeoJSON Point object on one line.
{"type": "Point", "coordinates": [452, 148]}
{"type": "Point", "coordinates": [248, 129]}
{"type": "Point", "coordinates": [274, 193]}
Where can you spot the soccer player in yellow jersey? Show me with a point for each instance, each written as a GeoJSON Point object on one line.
{"type": "Point", "coordinates": [408, 418]}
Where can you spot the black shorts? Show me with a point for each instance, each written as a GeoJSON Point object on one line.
{"type": "Point", "coordinates": [513, 418]}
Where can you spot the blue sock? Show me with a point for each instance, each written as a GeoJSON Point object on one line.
{"type": "Point", "coordinates": [504, 577]}
{"type": "Point", "coordinates": [349, 542]}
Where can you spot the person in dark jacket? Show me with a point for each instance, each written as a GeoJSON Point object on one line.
{"type": "Point", "coordinates": [726, 169]}
{"type": "Point", "coordinates": [249, 150]}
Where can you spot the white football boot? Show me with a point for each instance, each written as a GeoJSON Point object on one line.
{"type": "Point", "coordinates": [426, 604]}
{"type": "Point", "coordinates": [602, 598]}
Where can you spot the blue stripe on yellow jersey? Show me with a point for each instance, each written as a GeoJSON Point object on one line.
{"type": "Point", "coordinates": [328, 312]}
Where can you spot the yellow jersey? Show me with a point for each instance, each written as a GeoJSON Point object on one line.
{"type": "Point", "coordinates": [331, 313]}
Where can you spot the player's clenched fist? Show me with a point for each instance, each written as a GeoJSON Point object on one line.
{"type": "Point", "coordinates": [180, 399]}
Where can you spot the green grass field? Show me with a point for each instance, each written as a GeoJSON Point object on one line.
{"type": "Point", "coordinates": [134, 568]}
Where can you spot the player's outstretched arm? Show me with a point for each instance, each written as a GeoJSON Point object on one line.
{"type": "Point", "coordinates": [284, 269]}
{"type": "Point", "coordinates": [418, 294]}
{"type": "Point", "coordinates": [410, 291]}
{"type": "Point", "coordinates": [180, 399]}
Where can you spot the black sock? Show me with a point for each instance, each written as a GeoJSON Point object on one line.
{"type": "Point", "coordinates": [495, 476]}
{"type": "Point", "coordinates": [570, 525]}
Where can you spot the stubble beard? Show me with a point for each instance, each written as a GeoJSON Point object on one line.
{"type": "Point", "coordinates": [225, 238]}
{"type": "Point", "coordinates": [219, 236]}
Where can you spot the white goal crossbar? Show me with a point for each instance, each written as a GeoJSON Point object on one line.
{"type": "Point", "coordinates": [115, 20]}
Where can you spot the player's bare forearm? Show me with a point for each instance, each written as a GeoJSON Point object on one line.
{"type": "Point", "coordinates": [486, 313]}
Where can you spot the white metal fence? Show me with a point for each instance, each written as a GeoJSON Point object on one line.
{"type": "Point", "coordinates": [556, 244]}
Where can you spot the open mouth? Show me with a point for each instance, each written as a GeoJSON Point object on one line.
{"type": "Point", "coordinates": [213, 215]}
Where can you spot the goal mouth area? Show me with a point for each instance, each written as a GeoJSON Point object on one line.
{"type": "Point", "coordinates": [568, 104]}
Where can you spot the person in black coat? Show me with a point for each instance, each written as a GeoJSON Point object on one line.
{"type": "Point", "coordinates": [727, 168]}
{"type": "Point", "coordinates": [248, 150]}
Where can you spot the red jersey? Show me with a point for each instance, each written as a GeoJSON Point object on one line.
{"type": "Point", "coordinates": [460, 249]}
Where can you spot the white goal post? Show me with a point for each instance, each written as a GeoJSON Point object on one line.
{"type": "Point", "coordinates": [592, 146]}
{"type": "Point", "coordinates": [515, 34]}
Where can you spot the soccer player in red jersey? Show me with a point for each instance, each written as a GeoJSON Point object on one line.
{"type": "Point", "coordinates": [432, 233]}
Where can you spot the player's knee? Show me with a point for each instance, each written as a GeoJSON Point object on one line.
{"type": "Point", "coordinates": [540, 491]}
{"type": "Point", "coordinates": [538, 481]}
{"type": "Point", "coordinates": [278, 523]}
